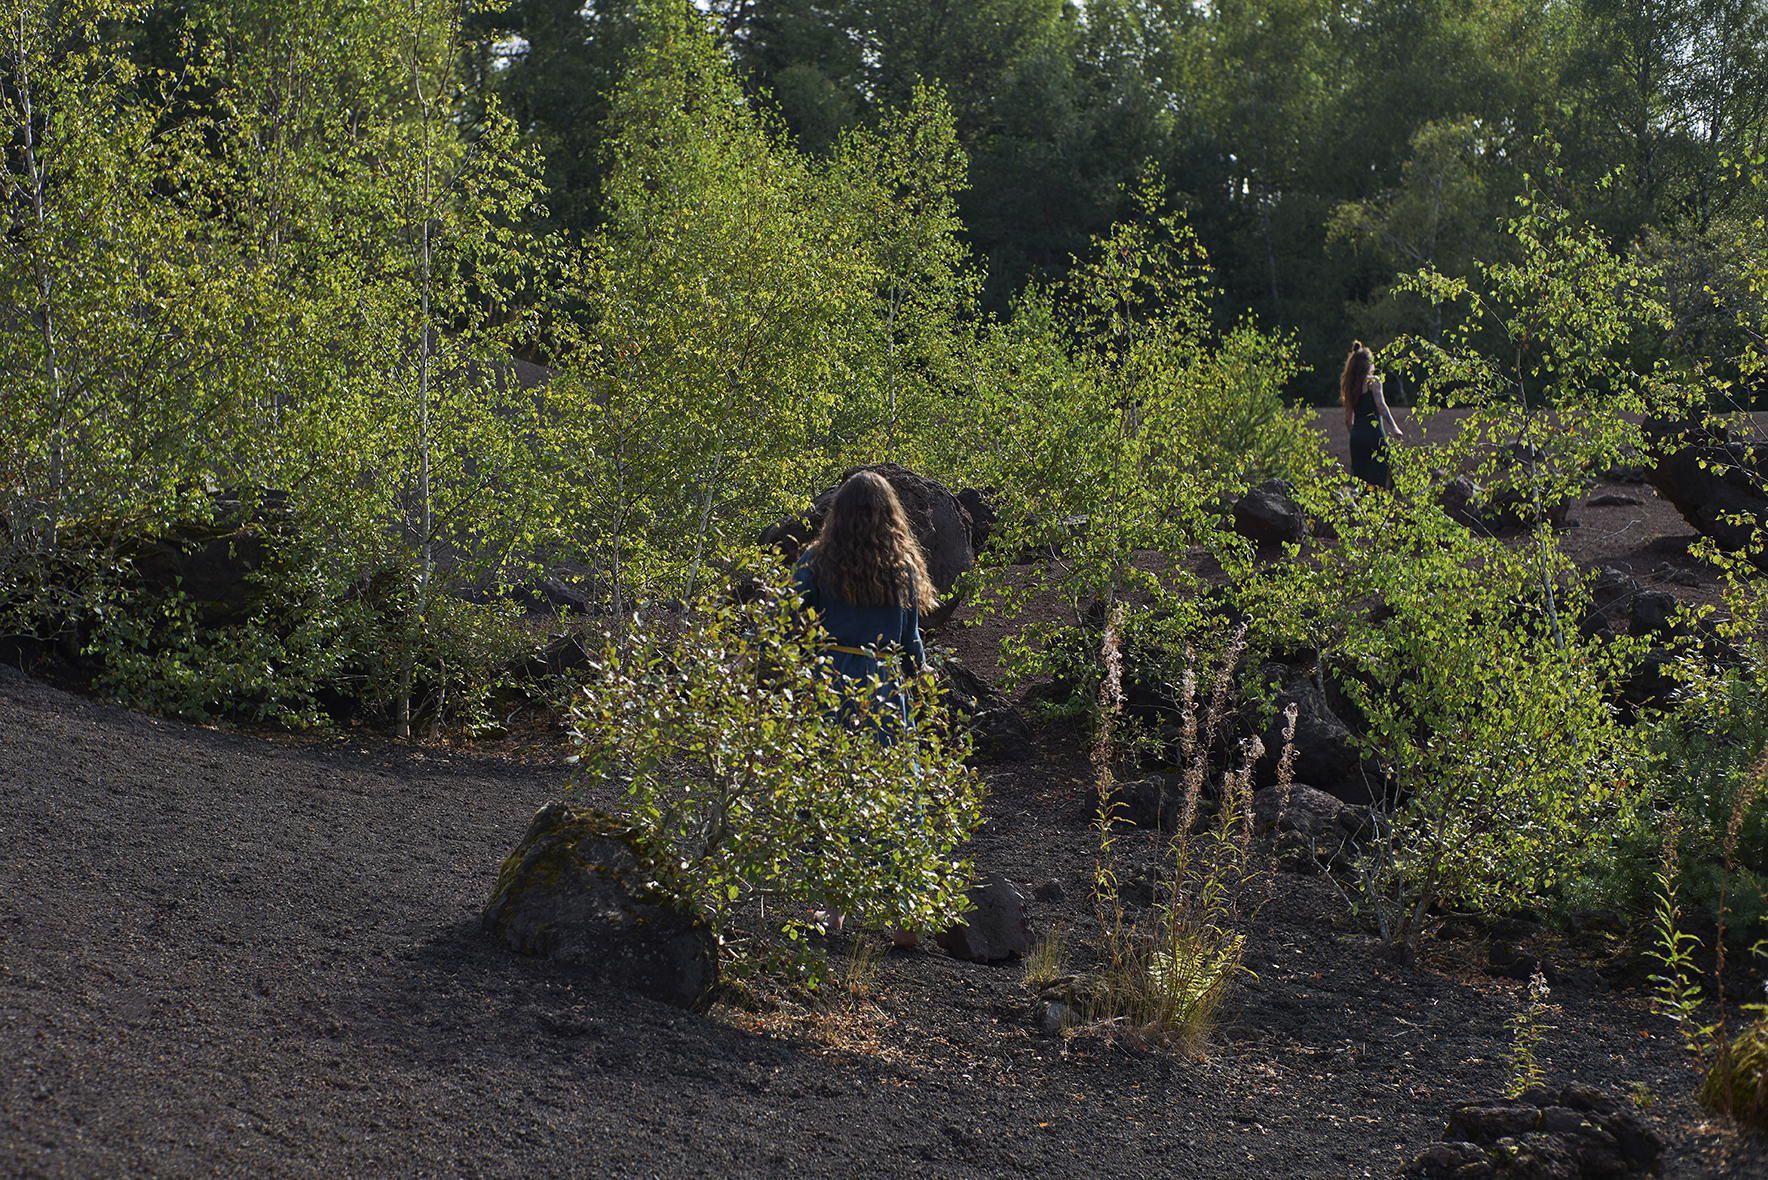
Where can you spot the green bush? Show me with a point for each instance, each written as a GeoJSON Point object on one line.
{"type": "Point", "coordinates": [1506, 765]}
{"type": "Point", "coordinates": [1697, 761]}
{"type": "Point", "coordinates": [1737, 1081]}
{"type": "Point", "coordinates": [300, 646]}
{"type": "Point", "coordinates": [729, 737]}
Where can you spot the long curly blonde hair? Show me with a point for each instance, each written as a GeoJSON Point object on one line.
{"type": "Point", "coordinates": [866, 553]}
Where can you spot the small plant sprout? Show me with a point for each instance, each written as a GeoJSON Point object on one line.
{"type": "Point", "coordinates": [858, 974]}
{"type": "Point", "coordinates": [1736, 1084]}
{"type": "Point", "coordinates": [1677, 995]}
{"type": "Point", "coordinates": [1525, 1037]}
{"type": "Point", "coordinates": [1048, 956]}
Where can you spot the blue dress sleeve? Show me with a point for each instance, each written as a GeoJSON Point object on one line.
{"type": "Point", "coordinates": [913, 655]}
{"type": "Point", "coordinates": [804, 581]}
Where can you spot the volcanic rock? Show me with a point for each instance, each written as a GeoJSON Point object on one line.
{"type": "Point", "coordinates": [996, 929]}
{"type": "Point", "coordinates": [997, 729]}
{"type": "Point", "coordinates": [583, 890]}
{"type": "Point", "coordinates": [1269, 515]}
{"type": "Point", "coordinates": [941, 524]}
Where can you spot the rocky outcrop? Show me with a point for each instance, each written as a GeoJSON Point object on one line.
{"type": "Point", "coordinates": [995, 929]}
{"type": "Point", "coordinates": [998, 731]}
{"type": "Point", "coordinates": [1579, 1132]}
{"type": "Point", "coordinates": [213, 562]}
{"type": "Point", "coordinates": [1501, 507]}
{"type": "Point", "coordinates": [980, 504]}
{"type": "Point", "coordinates": [563, 654]}
{"type": "Point", "coordinates": [1309, 829]}
{"type": "Point", "coordinates": [1612, 592]}
{"type": "Point", "coordinates": [1269, 515]}
{"type": "Point", "coordinates": [583, 890]}
{"type": "Point", "coordinates": [943, 527]}
{"type": "Point", "coordinates": [551, 595]}
{"type": "Point", "coordinates": [1326, 752]}
{"type": "Point", "coordinates": [1155, 801]}
{"type": "Point", "coordinates": [1718, 484]}
{"type": "Point", "coordinates": [1296, 807]}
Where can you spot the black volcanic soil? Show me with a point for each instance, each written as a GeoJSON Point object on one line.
{"type": "Point", "coordinates": [239, 955]}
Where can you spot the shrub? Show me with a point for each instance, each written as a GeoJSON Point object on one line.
{"type": "Point", "coordinates": [1505, 762]}
{"type": "Point", "coordinates": [299, 646]}
{"type": "Point", "coordinates": [1167, 975]}
{"type": "Point", "coordinates": [736, 751]}
{"type": "Point", "coordinates": [1737, 1082]}
{"type": "Point", "coordinates": [1697, 762]}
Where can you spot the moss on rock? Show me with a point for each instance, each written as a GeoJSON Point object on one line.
{"type": "Point", "coordinates": [583, 889]}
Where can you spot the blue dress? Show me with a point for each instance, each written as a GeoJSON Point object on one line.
{"type": "Point", "coordinates": [850, 625]}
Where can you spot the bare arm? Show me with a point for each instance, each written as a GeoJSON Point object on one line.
{"type": "Point", "coordinates": [1388, 427]}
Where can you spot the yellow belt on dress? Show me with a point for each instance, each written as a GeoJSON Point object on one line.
{"type": "Point", "coordinates": [853, 651]}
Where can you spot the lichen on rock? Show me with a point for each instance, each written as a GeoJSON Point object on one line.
{"type": "Point", "coordinates": [583, 889]}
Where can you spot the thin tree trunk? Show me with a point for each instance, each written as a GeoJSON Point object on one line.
{"type": "Point", "coordinates": [890, 352]}
{"type": "Point", "coordinates": [426, 523]}
{"type": "Point", "coordinates": [45, 281]}
{"type": "Point", "coordinates": [1548, 592]}
{"type": "Point", "coordinates": [616, 571]}
{"type": "Point", "coordinates": [1261, 192]}
{"type": "Point", "coordinates": [705, 523]}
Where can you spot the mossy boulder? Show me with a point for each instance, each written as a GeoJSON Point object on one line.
{"type": "Point", "coordinates": [584, 890]}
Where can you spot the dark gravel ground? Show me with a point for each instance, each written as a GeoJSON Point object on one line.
{"type": "Point", "coordinates": [221, 954]}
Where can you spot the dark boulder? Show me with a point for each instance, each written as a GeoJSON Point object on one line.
{"type": "Point", "coordinates": [1297, 808]}
{"type": "Point", "coordinates": [1460, 500]}
{"type": "Point", "coordinates": [583, 890]}
{"type": "Point", "coordinates": [790, 535]}
{"type": "Point", "coordinates": [1269, 515]}
{"type": "Point", "coordinates": [1612, 592]}
{"type": "Point", "coordinates": [1155, 801]}
{"type": "Point", "coordinates": [1503, 506]}
{"type": "Point", "coordinates": [214, 562]}
{"type": "Point", "coordinates": [1069, 1000]}
{"type": "Point", "coordinates": [1720, 486]}
{"type": "Point", "coordinates": [1649, 683]}
{"type": "Point", "coordinates": [1654, 613]}
{"type": "Point", "coordinates": [995, 929]}
{"type": "Point", "coordinates": [550, 595]}
{"type": "Point", "coordinates": [980, 504]}
{"type": "Point", "coordinates": [998, 731]}
{"type": "Point", "coordinates": [561, 655]}
{"type": "Point", "coordinates": [1308, 829]}
{"type": "Point", "coordinates": [1578, 1133]}
{"type": "Point", "coordinates": [1326, 752]}
{"type": "Point", "coordinates": [1612, 588]}
{"type": "Point", "coordinates": [941, 524]}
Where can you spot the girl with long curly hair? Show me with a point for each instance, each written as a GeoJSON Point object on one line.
{"type": "Point", "coordinates": [867, 581]}
{"type": "Point", "coordinates": [1367, 417]}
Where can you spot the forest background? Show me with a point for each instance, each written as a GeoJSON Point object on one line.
{"type": "Point", "coordinates": [411, 307]}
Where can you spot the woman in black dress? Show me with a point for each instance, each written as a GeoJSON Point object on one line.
{"type": "Point", "coordinates": [1367, 417]}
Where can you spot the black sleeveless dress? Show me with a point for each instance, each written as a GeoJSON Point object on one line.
{"type": "Point", "coordinates": [1368, 443]}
